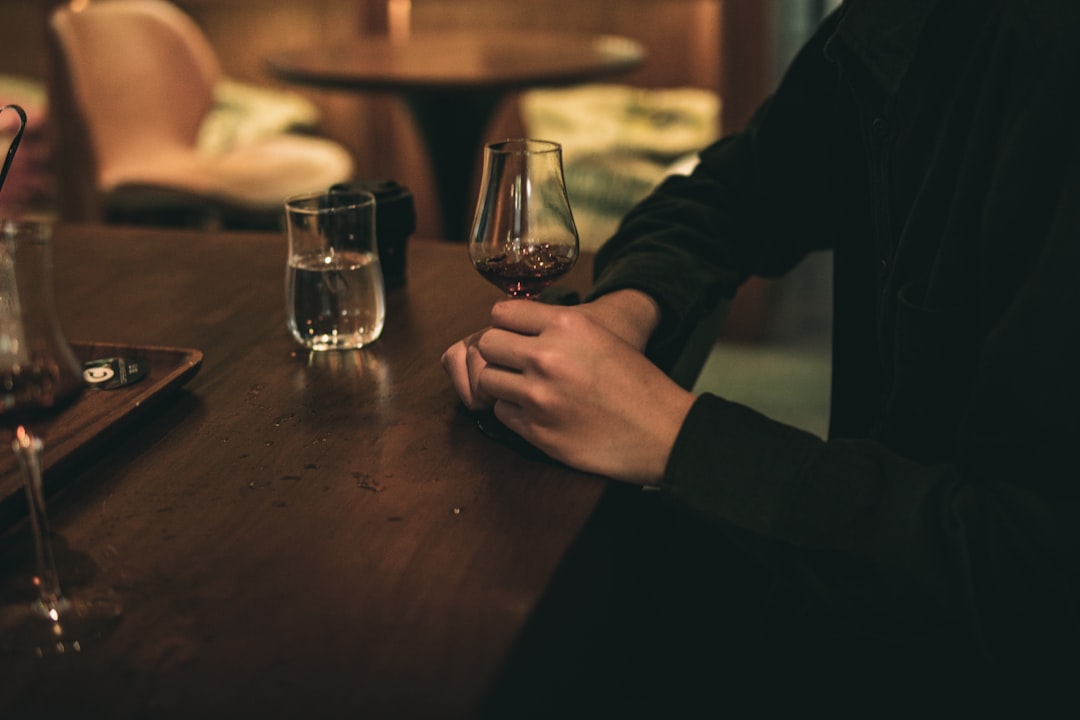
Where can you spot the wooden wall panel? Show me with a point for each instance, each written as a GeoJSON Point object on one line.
{"type": "Point", "coordinates": [682, 37]}
{"type": "Point", "coordinates": [22, 39]}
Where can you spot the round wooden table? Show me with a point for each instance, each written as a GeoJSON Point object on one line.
{"type": "Point", "coordinates": [452, 84]}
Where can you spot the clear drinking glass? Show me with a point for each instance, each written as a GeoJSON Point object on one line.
{"type": "Point", "coordinates": [39, 378]}
{"type": "Point", "coordinates": [335, 297]}
{"type": "Point", "coordinates": [523, 237]}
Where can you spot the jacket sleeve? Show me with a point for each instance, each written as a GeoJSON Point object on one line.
{"type": "Point", "coordinates": [756, 203]}
{"type": "Point", "coordinates": [979, 556]}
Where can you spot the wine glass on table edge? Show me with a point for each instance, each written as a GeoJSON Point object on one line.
{"type": "Point", "coordinates": [40, 378]}
{"type": "Point", "coordinates": [523, 237]}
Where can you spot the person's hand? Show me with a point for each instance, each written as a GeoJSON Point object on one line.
{"type": "Point", "coordinates": [579, 391]}
{"type": "Point", "coordinates": [630, 314]}
{"type": "Point", "coordinates": [462, 362]}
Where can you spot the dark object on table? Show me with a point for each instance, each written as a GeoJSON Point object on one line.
{"type": "Point", "coordinates": [113, 372]}
{"type": "Point", "coordinates": [395, 221]}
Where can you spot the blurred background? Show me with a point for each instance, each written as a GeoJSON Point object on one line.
{"type": "Point", "coordinates": [708, 64]}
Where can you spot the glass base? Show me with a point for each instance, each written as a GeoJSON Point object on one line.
{"type": "Point", "coordinates": [33, 630]}
{"type": "Point", "coordinates": [321, 343]}
{"type": "Point", "coordinates": [494, 428]}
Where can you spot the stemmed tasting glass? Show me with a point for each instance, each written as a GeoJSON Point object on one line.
{"type": "Point", "coordinates": [523, 237]}
{"type": "Point", "coordinates": [39, 378]}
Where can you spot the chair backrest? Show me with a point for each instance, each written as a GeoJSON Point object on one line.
{"type": "Point", "coordinates": [141, 75]}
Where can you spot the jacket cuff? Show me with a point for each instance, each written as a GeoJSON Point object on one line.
{"type": "Point", "coordinates": [737, 466]}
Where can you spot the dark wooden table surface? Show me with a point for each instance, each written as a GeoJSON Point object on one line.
{"type": "Point", "coordinates": [453, 83]}
{"type": "Point", "coordinates": [291, 535]}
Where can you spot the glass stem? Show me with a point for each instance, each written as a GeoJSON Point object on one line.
{"type": "Point", "coordinates": [28, 449]}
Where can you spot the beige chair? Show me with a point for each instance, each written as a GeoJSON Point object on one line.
{"type": "Point", "coordinates": [140, 78]}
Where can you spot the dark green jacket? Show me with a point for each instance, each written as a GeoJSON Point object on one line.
{"type": "Point", "coordinates": [932, 146]}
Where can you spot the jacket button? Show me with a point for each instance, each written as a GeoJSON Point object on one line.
{"type": "Point", "coordinates": [879, 127]}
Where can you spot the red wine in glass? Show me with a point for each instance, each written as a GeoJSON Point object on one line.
{"type": "Point", "coordinates": [527, 275]}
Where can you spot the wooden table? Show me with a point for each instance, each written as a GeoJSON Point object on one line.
{"type": "Point", "coordinates": [292, 535]}
{"type": "Point", "coordinates": [452, 84]}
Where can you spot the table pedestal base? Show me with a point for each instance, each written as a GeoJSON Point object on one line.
{"type": "Point", "coordinates": [452, 125]}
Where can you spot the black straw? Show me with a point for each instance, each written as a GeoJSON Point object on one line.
{"type": "Point", "coordinates": [14, 143]}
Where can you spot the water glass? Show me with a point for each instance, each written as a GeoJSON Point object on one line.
{"type": "Point", "coordinates": [334, 290]}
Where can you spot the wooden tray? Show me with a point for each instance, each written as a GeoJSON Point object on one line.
{"type": "Point", "coordinates": [98, 414]}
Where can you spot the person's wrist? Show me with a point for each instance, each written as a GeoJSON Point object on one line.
{"type": "Point", "coordinates": [647, 461]}
{"type": "Point", "coordinates": [631, 314]}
